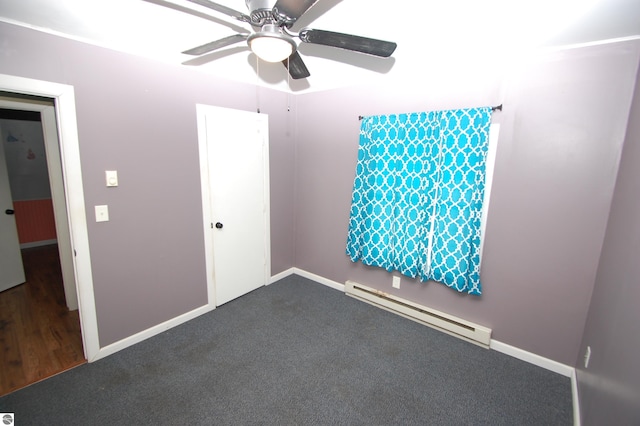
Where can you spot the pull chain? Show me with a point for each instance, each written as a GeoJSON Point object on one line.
{"type": "Point", "coordinates": [258, 84]}
{"type": "Point", "coordinates": [289, 86]}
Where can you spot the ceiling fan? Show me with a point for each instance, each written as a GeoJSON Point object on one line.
{"type": "Point", "coordinates": [273, 41]}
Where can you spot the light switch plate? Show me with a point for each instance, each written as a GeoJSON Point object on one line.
{"type": "Point", "coordinates": [102, 213]}
{"type": "Point", "coordinates": [112, 177]}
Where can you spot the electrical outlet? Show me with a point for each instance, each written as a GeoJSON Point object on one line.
{"type": "Point", "coordinates": [396, 282]}
{"type": "Point", "coordinates": [587, 357]}
{"type": "Point", "coordinates": [102, 213]}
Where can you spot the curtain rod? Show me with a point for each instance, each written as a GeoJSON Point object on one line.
{"type": "Point", "coordinates": [494, 108]}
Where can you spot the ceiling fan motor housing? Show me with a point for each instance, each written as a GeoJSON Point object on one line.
{"type": "Point", "coordinates": [260, 11]}
{"type": "Point", "coordinates": [272, 39]}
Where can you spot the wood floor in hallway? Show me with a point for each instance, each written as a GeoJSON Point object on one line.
{"type": "Point", "coordinates": [39, 336]}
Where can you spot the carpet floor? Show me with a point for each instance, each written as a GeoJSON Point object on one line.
{"type": "Point", "coordinates": [299, 353]}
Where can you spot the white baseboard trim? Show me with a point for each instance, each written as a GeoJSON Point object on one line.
{"type": "Point", "coordinates": [532, 358]}
{"type": "Point", "coordinates": [504, 348]}
{"type": "Point", "coordinates": [521, 354]}
{"type": "Point", "coordinates": [317, 278]}
{"type": "Point", "coordinates": [150, 332]}
{"type": "Point", "coordinates": [576, 399]}
{"type": "Point", "coordinates": [38, 243]}
{"type": "Point", "coordinates": [281, 275]}
{"type": "Point", "coordinates": [548, 364]}
{"type": "Point", "coordinates": [513, 351]}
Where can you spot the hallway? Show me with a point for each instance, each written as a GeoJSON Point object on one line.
{"type": "Point", "coordinates": [39, 336]}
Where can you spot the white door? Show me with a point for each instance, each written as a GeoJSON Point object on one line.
{"type": "Point", "coordinates": [11, 270]}
{"type": "Point", "coordinates": [234, 151]}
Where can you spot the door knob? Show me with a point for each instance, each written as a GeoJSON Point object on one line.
{"type": "Point", "coordinates": [9, 211]}
{"type": "Point", "coordinates": [218, 225]}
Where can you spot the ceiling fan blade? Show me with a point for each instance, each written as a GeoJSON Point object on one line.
{"type": "Point", "coordinates": [291, 10]}
{"type": "Point", "coordinates": [347, 41]}
{"type": "Point", "coordinates": [218, 44]}
{"type": "Point", "coordinates": [296, 66]}
{"type": "Point", "coordinates": [223, 9]}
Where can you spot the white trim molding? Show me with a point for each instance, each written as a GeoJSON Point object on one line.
{"type": "Point", "coordinates": [317, 278]}
{"type": "Point", "coordinates": [313, 277]}
{"type": "Point", "coordinates": [281, 275]}
{"type": "Point", "coordinates": [65, 109]}
{"type": "Point", "coordinates": [150, 332]}
{"type": "Point", "coordinates": [532, 358]}
{"type": "Point", "coordinates": [513, 351]}
{"type": "Point", "coordinates": [576, 398]}
{"type": "Point", "coordinates": [548, 364]}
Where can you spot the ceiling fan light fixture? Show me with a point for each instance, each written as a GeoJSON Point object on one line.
{"type": "Point", "coordinates": [271, 45]}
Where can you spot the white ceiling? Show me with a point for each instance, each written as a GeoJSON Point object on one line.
{"type": "Point", "coordinates": [433, 36]}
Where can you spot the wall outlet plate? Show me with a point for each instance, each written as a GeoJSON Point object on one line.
{"type": "Point", "coordinates": [396, 282]}
{"type": "Point", "coordinates": [102, 213]}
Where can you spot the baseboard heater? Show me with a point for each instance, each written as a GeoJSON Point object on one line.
{"type": "Point", "coordinates": [439, 320]}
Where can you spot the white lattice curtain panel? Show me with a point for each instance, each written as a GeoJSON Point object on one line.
{"type": "Point", "coordinates": [418, 194]}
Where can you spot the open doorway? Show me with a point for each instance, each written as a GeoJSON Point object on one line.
{"type": "Point", "coordinates": [39, 318]}
{"type": "Point", "coordinates": [63, 118]}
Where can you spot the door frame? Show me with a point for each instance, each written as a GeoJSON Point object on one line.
{"type": "Point", "coordinates": [203, 148]}
{"type": "Point", "coordinates": [64, 111]}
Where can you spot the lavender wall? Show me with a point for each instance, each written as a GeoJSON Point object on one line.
{"type": "Point", "coordinates": [610, 388]}
{"type": "Point", "coordinates": [561, 136]}
{"type": "Point", "coordinates": [138, 117]}
{"type": "Point", "coordinates": [562, 132]}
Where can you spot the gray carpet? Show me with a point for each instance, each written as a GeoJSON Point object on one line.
{"type": "Point", "coordinates": [298, 353]}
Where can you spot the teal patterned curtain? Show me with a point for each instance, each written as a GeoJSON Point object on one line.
{"type": "Point", "coordinates": [418, 193]}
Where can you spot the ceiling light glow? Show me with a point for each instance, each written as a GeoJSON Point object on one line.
{"type": "Point", "coordinates": [271, 45]}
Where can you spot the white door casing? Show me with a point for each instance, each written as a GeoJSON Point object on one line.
{"type": "Point", "coordinates": [234, 162]}
{"type": "Point", "coordinates": [11, 268]}
{"type": "Point", "coordinates": [65, 116]}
